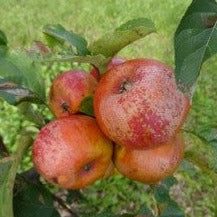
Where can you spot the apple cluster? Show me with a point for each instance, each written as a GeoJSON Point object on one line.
{"type": "Point", "coordinates": [138, 113]}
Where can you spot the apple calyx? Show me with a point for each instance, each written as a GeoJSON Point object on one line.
{"type": "Point", "coordinates": [126, 85]}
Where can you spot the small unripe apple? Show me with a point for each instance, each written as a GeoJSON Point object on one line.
{"type": "Point", "coordinates": [72, 152]}
{"type": "Point", "coordinates": [150, 165]}
{"type": "Point", "coordinates": [138, 104]}
{"type": "Point", "coordinates": [68, 91]}
{"type": "Point", "coordinates": [114, 62]}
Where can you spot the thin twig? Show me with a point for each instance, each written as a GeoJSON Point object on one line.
{"type": "Point", "coordinates": [7, 194]}
{"type": "Point", "coordinates": [63, 205]}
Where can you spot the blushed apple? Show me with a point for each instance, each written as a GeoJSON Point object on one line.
{"type": "Point", "coordinates": [72, 152]}
{"type": "Point", "coordinates": [150, 165]}
{"type": "Point", "coordinates": [68, 91]}
{"type": "Point", "coordinates": [138, 104]}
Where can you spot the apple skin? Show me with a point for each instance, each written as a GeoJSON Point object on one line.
{"type": "Point", "coordinates": [72, 152]}
{"type": "Point", "coordinates": [150, 165]}
{"type": "Point", "coordinates": [138, 104]}
{"type": "Point", "coordinates": [68, 91]}
{"type": "Point", "coordinates": [114, 62]}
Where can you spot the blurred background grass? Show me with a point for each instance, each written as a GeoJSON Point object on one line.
{"type": "Point", "coordinates": [23, 20]}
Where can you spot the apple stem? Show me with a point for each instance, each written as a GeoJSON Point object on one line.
{"type": "Point", "coordinates": [65, 107]}
{"type": "Point", "coordinates": [87, 167]}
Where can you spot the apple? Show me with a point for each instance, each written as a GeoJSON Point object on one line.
{"type": "Point", "coordinates": [138, 104]}
{"type": "Point", "coordinates": [150, 165]}
{"type": "Point", "coordinates": [72, 152]}
{"type": "Point", "coordinates": [95, 73]}
{"type": "Point", "coordinates": [114, 62]}
{"type": "Point", "coordinates": [68, 91]}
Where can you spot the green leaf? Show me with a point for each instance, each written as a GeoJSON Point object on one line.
{"type": "Point", "coordinates": [34, 200]}
{"type": "Point", "coordinates": [168, 207]}
{"type": "Point", "coordinates": [111, 43]}
{"type": "Point", "coordinates": [20, 79]}
{"type": "Point", "coordinates": [161, 191]}
{"type": "Point", "coordinates": [14, 94]}
{"type": "Point", "coordinates": [97, 60]}
{"type": "Point", "coordinates": [86, 106]}
{"type": "Point", "coordinates": [172, 210]}
{"type": "Point", "coordinates": [195, 41]}
{"type": "Point", "coordinates": [8, 169]}
{"type": "Point", "coordinates": [3, 39]}
{"type": "Point", "coordinates": [60, 34]}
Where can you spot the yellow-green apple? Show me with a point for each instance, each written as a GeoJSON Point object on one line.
{"type": "Point", "coordinates": [138, 104]}
{"type": "Point", "coordinates": [114, 62]}
{"type": "Point", "coordinates": [150, 165]}
{"type": "Point", "coordinates": [72, 152]}
{"type": "Point", "coordinates": [68, 91]}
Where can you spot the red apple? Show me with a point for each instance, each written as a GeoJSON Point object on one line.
{"type": "Point", "coordinates": [138, 104]}
{"type": "Point", "coordinates": [72, 152]}
{"type": "Point", "coordinates": [114, 62]}
{"type": "Point", "coordinates": [68, 91]}
{"type": "Point", "coordinates": [150, 165]}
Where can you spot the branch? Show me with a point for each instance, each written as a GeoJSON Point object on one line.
{"type": "Point", "coordinates": [64, 205]}
{"type": "Point", "coordinates": [11, 164]}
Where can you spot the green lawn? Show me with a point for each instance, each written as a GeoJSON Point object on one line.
{"type": "Point", "coordinates": [22, 21]}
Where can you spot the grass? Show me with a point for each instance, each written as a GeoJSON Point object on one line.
{"type": "Point", "coordinates": [22, 21]}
